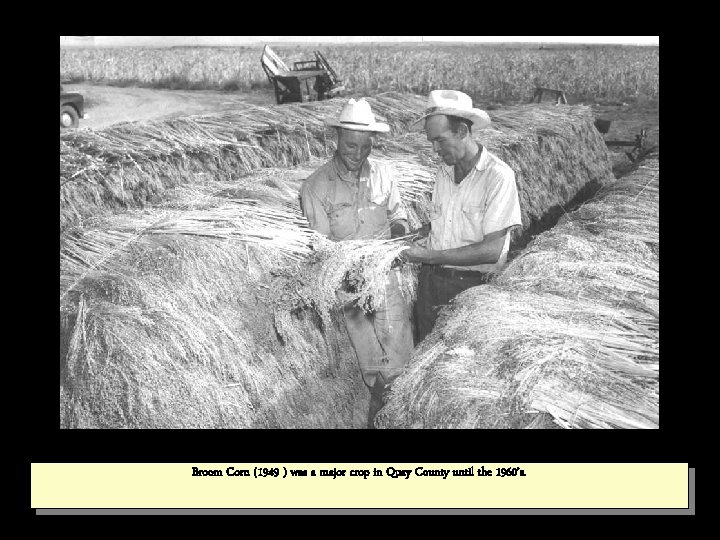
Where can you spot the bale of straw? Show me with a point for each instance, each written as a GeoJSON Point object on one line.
{"type": "Point", "coordinates": [570, 329]}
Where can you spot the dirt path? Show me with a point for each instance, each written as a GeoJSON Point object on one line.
{"type": "Point", "coordinates": [108, 105]}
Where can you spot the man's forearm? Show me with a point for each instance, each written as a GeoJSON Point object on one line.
{"type": "Point", "coordinates": [486, 252]}
{"type": "Point", "coordinates": [480, 253]}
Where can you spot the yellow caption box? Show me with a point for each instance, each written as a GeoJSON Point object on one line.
{"type": "Point", "coordinates": [358, 485]}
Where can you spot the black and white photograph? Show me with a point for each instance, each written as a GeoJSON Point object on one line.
{"type": "Point", "coordinates": [359, 232]}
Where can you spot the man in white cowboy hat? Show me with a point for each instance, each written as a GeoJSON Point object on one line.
{"type": "Point", "coordinates": [355, 197]}
{"type": "Point", "coordinates": [475, 207]}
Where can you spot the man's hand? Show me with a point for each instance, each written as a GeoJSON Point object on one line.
{"type": "Point", "coordinates": [398, 228]}
{"type": "Point", "coordinates": [422, 232]}
{"type": "Point", "coordinates": [416, 254]}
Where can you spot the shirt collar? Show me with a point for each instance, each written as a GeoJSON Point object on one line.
{"type": "Point", "coordinates": [347, 176]}
{"type": "Point", "coordinates": [482, 163]}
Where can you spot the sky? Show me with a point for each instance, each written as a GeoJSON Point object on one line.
{"type": "Point", "coordinates": [169, 41]}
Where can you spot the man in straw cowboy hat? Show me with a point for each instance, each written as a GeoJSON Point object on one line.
{"type": "Point", "coordinates": [475, 205]}
{"type": "Point", "coordinates": [353, 197]}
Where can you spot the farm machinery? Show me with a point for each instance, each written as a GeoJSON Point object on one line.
{"type": "Point", "coordinates": [638, 145]}
{"type": "Point", "coordinates": [603, 126]}
{"type": "Point", "coordinates": [294, 85]}
{"type": "Point", "coordinates": [72, 109]}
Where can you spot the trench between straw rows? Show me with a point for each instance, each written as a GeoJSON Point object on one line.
{"type": "Point", "coordinates": [206, 308]}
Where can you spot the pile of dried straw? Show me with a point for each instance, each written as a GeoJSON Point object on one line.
{"type": "Point", "coordinates": [215, 305]}
{"type": "Point", "coordinates": [217, 308]}
{"type": "Point", "coordinates": [569, 329]}
{"type": "Point", "coordinates": [181, 316]}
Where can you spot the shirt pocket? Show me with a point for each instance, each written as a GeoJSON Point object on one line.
{"type": "Point", "coordinates": [471, 223]}
{"type": "Point", "coordinates": [375, 216]}
{"type": "Point", "coordinates": [342, 218]}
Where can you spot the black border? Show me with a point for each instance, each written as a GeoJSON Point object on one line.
{"type": "Point", "coordinates": [683, 364]}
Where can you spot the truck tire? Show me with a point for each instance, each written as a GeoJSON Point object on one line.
{"type": "Point", "coordinates": [69, 117]}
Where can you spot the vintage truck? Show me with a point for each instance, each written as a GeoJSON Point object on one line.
{"type": "Point", "coordinates": [72, 109]}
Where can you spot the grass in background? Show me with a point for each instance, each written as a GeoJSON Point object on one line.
{"type": "Point", "coordinates": [500, 74]}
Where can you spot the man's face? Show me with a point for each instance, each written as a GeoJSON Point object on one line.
{"type": "Point", "coordinates": [448, 145]}
{"type": "Point", "coordinates": [353, 148]}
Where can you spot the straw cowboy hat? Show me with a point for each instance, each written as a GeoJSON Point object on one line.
{"type": "Point", "coordinates": [357, 116]}
{"type": "Point", "coordinates": [453, 103]}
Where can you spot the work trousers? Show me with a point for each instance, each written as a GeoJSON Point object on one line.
{"type": "Point", "coordinates": [436, 288]}
{"type": "Point", "coordinates": [382, 340]}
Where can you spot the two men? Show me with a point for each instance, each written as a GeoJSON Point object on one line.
{"type": "Point", "coordinates": [354, 197]}
{"type": "Point", "coordinates": [475, 207]}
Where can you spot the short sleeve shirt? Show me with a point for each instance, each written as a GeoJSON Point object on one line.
{"type": "Point", "coordinates": [485, 201]}
{"type": "Point", "coordinates": [342, 206]}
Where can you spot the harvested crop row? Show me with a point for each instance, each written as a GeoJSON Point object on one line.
{"type": "Point", "coordinates": [216, 307]}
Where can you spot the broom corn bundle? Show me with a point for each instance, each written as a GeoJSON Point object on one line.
{"type": "Point", "coordinates": [356, 272]}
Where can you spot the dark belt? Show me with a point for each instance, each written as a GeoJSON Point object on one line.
{"type": "Point", "coordinates": [448, 272]}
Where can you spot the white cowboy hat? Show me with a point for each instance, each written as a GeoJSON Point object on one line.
{"type": "Point", "coordinates": [357, 116]}
{"type": "Point", "coordinates": [454, 103]}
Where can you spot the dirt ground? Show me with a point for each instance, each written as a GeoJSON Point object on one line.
{"type": "Point", "coordinates": [109, 105]}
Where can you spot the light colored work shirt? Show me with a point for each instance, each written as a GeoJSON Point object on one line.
{"type": "Point", "coordinates": [485, 201]}
{"type": "Point", "coordinates": [339, 205]}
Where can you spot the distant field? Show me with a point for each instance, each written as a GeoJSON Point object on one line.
{"type": "Point", "coordinates": [500, 74]}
